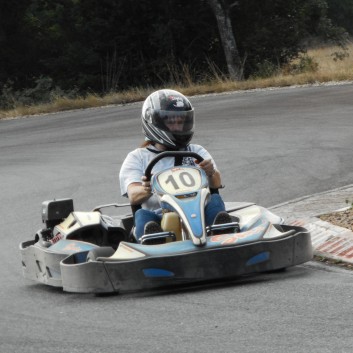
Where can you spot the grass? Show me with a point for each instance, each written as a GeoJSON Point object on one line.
{"type": "Point", "coordinates": [317, 66]}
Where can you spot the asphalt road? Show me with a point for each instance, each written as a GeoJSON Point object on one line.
{"type": "Point", "coordinates": [271, 146]}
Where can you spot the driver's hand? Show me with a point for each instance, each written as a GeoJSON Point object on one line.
{"type": "Point", "coordinates": [207, 166]}
{"type": "Point", "coordinates": [146, 185]}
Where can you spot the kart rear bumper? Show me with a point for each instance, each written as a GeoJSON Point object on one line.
{"type": "Point", "coordinates": [42, 264]}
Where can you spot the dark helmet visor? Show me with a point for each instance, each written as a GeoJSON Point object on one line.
{"type": "Point", "coordinates": [174, 121]}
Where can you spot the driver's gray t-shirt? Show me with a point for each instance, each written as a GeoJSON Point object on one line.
{"type": "Point", "coordinates": [136, 162]}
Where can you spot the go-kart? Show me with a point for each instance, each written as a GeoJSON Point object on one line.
{"type": "Point", "coordinates": [96, 252]}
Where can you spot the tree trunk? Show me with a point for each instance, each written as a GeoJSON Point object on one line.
{"type": "Point", "coordinates": [231, 52]}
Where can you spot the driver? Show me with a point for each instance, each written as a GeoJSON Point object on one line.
{"type": "Point", "coordinates": [168, 125]}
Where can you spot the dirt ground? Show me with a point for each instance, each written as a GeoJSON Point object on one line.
{"type": "Point", "coordinates": [343, 219]}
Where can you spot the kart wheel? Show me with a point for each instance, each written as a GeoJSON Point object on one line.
{"type": "Point", "coordinates": [104, 251]}
{"type": "Point", "coordinates": [279, 270]}
{"type": "Point", "coordinates": [283, 269]}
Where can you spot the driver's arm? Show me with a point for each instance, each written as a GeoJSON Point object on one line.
{"type": "Point", "coordinates": [215, 181]}
{"type": "Point", "coordinates": [213, 175]}
{"type": "Point", "coordinates": [138, 193]}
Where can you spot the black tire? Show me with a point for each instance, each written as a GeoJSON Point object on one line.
{"type": "Point", "coordinates": [104, 251]}
{"type": "Point", "coordinates": [279, 270]}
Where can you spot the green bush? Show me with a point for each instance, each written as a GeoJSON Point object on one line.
{"type": "Point", "coordinates": [44, 91]}
{"type": "Point", "coordinates": [306, 64]}
{"type": "Point", "coordinates": [265, 70]}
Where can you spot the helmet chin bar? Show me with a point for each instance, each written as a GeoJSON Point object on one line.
{"type": "Point", "coordinates": [173, 143]}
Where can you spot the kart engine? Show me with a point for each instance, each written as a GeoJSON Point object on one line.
{"type": "Point", "coordinates": [55, 211]}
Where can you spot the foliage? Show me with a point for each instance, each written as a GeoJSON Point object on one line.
{"type": "Point", "coordinates": [13, 40]}
{"type": "Point", "coordinates": [107, 45]}
{"type": "Point", "coordinates": [43, 91]}
{"type": "Point", "coordinates": [265, 69]}
{"type": "Point", "coordinates": [104, 45]}
{"type": "Point", "coordinates": [341, 14]}
{"type": "Point", "coordinates": [305, 64]}
{"type": "Point", "coordinates": [271, 32]}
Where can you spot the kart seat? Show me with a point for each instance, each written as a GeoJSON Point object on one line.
{"type": "Point", "coordinates": [171, 223]}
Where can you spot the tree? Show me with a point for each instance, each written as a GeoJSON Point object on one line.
{"type": "Point", "coordinates": [103, 45]}
{"type": "Point", "coordinates": [341, 13]}
{"type": "Point", "coordinates": [15, 50]}
{"type": "Point", "coordinates": [220, 9]}
{"type": "Point", "coordinates": [272, 33]}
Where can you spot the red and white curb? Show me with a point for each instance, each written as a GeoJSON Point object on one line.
{"type": "Point", "coordinates": [328, 240]}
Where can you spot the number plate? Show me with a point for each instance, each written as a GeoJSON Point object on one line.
{"type": "Point", "coordinates": [179, 180]}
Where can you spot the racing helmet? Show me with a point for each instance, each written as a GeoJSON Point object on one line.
{"type": "Point", "coordinates": [168, 119]}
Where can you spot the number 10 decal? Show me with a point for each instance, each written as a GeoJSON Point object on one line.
{"type": "Point", "coordinates": [180, 180]}
{"type": "Point", "coordinates": [185, 178]}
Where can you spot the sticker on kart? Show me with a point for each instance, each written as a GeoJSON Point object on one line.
{"type": "Point", "coordinates": [179, 180]}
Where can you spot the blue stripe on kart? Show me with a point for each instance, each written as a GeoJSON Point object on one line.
{"type": "Point", "coordinates": [257, 259]}
{"type": "Point", "coordinates": [157, 272]}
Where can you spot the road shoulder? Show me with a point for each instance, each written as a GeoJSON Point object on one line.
{"type": "Point", "coordinates": [331, 243]}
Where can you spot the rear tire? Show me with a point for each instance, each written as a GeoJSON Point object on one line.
{"type": "Point", "coordinates": [104, 251]}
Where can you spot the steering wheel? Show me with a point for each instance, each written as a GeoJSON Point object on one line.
{"type": "Point", "coordinates": [154, 161]}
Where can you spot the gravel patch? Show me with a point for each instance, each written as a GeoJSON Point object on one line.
{"type": "Point", "coordinates": [340, 218]}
